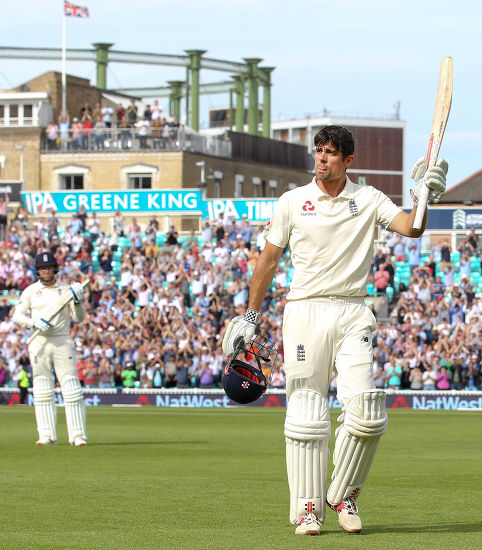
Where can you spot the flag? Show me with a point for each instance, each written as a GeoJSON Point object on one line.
{"type": "Point", "coordinates": [70, 10]}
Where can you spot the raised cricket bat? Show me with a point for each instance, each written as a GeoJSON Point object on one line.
{"type": "Point", "coordinates": [63, 302]}
{"type": "Point", "coordinates": [441, 113]}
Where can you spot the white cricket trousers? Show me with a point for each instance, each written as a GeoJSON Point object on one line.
{"type": "Point", "coordinates": [320, 334]}
{"type": "Point", "coordinates": [53, 351]}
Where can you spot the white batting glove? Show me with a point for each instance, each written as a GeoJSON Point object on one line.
{"type": "Point", "coordinates": [240, 330]}
{"type": "Point", "coordinates": [78, 292]}
{"type": "Point", "coordinates": [434, 178]}
{"type": "Point", "coordinates": [41, 324]}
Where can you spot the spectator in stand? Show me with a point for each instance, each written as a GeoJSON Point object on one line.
{"type": "Point", "coordinates": [148, 113]}
{"type": "Point", "coordinates": [473, 241]}
{"type": "Point", "coordinates": [129, 375]}
{"type": "Point", "coordinates": [157, 113]}
{"type": "Point", "coordinates": [399, 249]}
{"type": "Point", "coordinates": [131, 113]}
{"type": "Point", "coordinates": [429, 378]}
{"type": "Point", "coordinates": [414, 255]}
{"type": "Point", "coordinates": [380, 378]}
{"type": "Point", "coordinates": [97, 111]}
{"type": "Point", "coordinates": [107, 114]}
{"type": "Point", "coordinates": [416, 379]}
{"type": "Point", "coordinates": [87, 125]}
{"type": "Point", "coordinates": [64, 128]}
{"type": "Point", "coordinates": [381, 277]}
{"type": "Point", "coordinates": [86, 109]}
{"type": "Point", "coordinates": [143, 127]}
{"type": "Point", "coordinates": [445, 255]}
{"type": "Point", "coordinates": [93, 227]}
{"type": "Point", "coordinates": [52, 133]}
{"type": "Point", "coordinates": [120, 113]}
{"type": "Point", "coordinates": [99, 133]}
{"type": "Point", "coordinates": [394, 372]}
{"type": "Point", "coordinates": [443, 379]}
{"type": "Point", "coordinates": [172, 236]}
{"type": "Point", "coordinates": [156, 133]}
{"type": "Point", "coordinates": [173, 132]}
{"type": "Point", "coordinates": [77, 133]}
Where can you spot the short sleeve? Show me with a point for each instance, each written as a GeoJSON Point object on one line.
{"type": "Point", "coordinates": [277, 230]}
{"type": "Point", "coordinates": [386, 208]}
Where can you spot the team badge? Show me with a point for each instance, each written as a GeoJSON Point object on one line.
{"type": "Point", "coordinates": [300, 352]}
{"type": "Point", "coordinates": [353, 207]}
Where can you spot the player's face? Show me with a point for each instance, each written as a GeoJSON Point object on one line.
{"type": "Point", "coordinates": [47, 275]}
{"type": "Point", "coordinates": [329, 163]}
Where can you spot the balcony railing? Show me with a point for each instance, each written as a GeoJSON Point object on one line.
{"type": "Point", "coordinates": [117, 140]}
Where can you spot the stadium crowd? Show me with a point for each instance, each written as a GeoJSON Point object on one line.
{"type": "Point", "coordinates": [95, 128]}
{"type": "Point", "coordinates": [158, 304]}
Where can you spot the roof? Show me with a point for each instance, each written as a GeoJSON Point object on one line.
{"type": "Point", "coordinates": [468, 190]}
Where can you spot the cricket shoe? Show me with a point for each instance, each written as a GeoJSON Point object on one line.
{"type": "Point", "coordinates": [79, 442]}
{"type": "Point", "coordinates": [348, 517]}
{"type": "Point", "coordinates": [308, 524]}
{"type": "Point", "coordinates": [46, 441]}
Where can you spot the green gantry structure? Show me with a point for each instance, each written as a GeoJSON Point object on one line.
{"type": "Point", "coordinates": [244, 75]}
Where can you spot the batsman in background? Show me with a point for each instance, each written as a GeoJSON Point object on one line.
{"type": "Point", "coordinates": [329, 226]}
{"type": "Point", "coordinates": [53, 347]}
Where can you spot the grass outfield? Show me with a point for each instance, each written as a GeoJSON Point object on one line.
{"type": "Point", "coordinates": [154, 478]}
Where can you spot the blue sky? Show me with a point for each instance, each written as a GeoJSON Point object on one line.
{"type": "Point", "coordinates": [355, 58]}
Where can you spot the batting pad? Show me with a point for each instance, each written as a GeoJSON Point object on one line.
{"type": "Point", "coordinates": [74, 408]}
{"type": "Point", "coordinates": [364, 422]}
{"type": "Point", "coordinates": [45, 409]}
{"type": "Point", "coordinates": [307, 431]}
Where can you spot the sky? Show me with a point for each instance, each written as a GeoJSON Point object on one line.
{"type": "Point", "coordinates": [351, 57]}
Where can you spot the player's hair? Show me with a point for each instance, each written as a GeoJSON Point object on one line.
{"type": "Point", "coordinates": [339, 137]}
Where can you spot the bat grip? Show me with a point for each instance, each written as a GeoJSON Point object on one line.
{"type": "Point", "coordinates": [421, 207]}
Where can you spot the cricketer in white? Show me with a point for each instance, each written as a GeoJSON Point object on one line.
{"type": "Point", "coordinates": [329, 226]}
{"type": "Point", "coordinates": [53, 347]}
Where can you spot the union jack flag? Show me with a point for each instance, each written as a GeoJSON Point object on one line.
{"type": "Point", "coordinates": [72, 10]}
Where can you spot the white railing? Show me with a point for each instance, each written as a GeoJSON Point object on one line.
{"type": "Point", "coordinates": [134, 139]}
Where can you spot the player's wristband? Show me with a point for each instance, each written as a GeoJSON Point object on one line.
{"type": "Point", "coordinates": [252, 315]}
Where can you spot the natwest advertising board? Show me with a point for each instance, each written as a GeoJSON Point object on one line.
{"type": "Point", "coordinates": [451, 400]}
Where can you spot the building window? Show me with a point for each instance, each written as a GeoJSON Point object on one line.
{"type": "Point", "coordinates": [256, 185]}
{"type": "Point", "coordinates": [28, 114]}
{"type": "Point", "coordinates": [263, 188]}
{"type": "Point", "coordinates": [2, 115]}
{"type": "Point", "coordinates": [139, 181]}
{"type": "Point", "coordinates": [71, 181]}
{"type": "Point", "coordinates": [13, 114]}
{"type": "Point", "coordinates": [273, 184]}
{"type": "Point", "coordinates": [238, 186]}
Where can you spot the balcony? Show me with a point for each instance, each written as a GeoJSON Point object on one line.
{"type": "Point", "coordinates": [134, 140]}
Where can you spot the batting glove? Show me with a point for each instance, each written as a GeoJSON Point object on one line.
{"type": "Point", "coordinates": [41, 324]}
{"type": "Point", "coordinates": [78, 292]}
{"type": "Point", "coordinates": [240, 330]}
{"type": "Point", "coordinates": [434, 178]}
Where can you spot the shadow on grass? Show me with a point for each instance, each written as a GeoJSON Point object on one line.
{"type": "Point", "coordinates": [474, 527]}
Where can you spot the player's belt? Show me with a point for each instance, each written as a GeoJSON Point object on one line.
{"type": "Point", "coordinates": [336, 300]}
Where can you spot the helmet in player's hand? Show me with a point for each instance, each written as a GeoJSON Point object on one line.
{"type": "Point", "coordinates": [248, 373]}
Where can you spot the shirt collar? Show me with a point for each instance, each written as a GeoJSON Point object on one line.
{"type": "Point", "coordinates": [347, 193]}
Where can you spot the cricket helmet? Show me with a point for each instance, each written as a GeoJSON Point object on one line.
{"type": "Point", "coordinates": [45, 259]}
{"type": "Point", "coordinates": [244, 380]}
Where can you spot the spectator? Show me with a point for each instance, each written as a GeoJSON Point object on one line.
{"type": "Point", "coordinates": [131, 113]}
{"type": "Point", "coordinates": [429, 378]}
{"type": "Point", "coordinates": [52, 133]}
{"type": "Point", "coordinates": [416, 379]}
{"type": "Point", "coordinates": [443, 379]}
{"type": "Point", "coordinates": [382, 278]}
{"type": "Point", "coordinates": [99, 133]}
{"type": "Point", "coordinates": [107, 115]}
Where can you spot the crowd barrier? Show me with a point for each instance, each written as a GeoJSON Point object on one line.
{"type": "Point", "coordinates": [94, 397]}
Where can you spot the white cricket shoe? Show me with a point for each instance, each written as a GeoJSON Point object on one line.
{"type": "Point", "coordinates": [308, 524]}
{"type": "Point", "coordinates": [79, 441]}
{"type": "Point", "coordinates": [46, 441]}
{"type": "Point", "coordinates": [348, 517]}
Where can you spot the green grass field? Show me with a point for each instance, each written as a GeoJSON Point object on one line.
{"type": "Point", "coordinates": [155, 478]}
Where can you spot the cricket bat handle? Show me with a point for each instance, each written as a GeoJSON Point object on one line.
{"type": "Point", "coordinates": [421, 207]}
{"type": "Point", "coordinates": [65, 300]}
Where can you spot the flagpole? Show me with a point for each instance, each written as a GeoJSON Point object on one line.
{"type": "Point", "coordinates": [64, 76]}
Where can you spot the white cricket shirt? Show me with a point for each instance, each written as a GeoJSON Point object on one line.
{"type": "Point", "coordinates": [330, 239]}
{"type": "Point", "coordinates": [41, 301]}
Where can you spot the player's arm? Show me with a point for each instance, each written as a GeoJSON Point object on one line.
{"type": "Point", "coordinates": [242, 328]}
{"type": "Point", "coordinates": [263, 274]}
{"type": "Point", "coordinates": [403, 223]}
{"type": "Point", "coordinates": [21, 312]}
